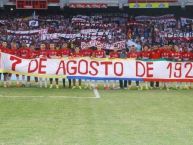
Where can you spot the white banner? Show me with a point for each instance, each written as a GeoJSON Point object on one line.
{"type": "Point", "coordinates": [39, 31]}
{"type": "Point", "coordinates": [94, 43]}
{"type": "Point", "coordinates": [160, 19]}
{"type": "Point", "coordinates": [33, 23]}
{"type": "Point", "coordinates": [92, 36]}
{"type": "Point", "coordinates": [2, 22]}
{"type": "Point", "coordinates": [131, 43]}
{"type": "Point", "coordinates": [88, 31]}
{"type": "Point", "coordinates": [177, 34]}
{"type": "Point", "coordinates": [185, 21]}
{"type": "Point", "coordinates": [87, 68]}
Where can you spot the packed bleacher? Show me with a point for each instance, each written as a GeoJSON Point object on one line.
{"type": "Point", "coordinates": [104, 28]}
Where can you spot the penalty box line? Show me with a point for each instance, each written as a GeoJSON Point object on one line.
{"type": "Point", "coordinates": [96, 93]}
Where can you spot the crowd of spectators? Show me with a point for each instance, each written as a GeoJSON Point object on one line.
{"type": "Point", "coordinates": [138, 31]}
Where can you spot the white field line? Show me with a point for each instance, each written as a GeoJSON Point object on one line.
{"type": "Point", "coordinates": [65, 97]}
{"type": "Point", "coordinates": [96, 93]}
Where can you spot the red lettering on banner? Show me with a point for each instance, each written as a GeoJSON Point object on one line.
{"type": "Point", "coordinates": [74, 69]}
{"type": "Point", "coordinates": [16, 61]}
{"type": "Point", "coordinates": [30, 69]}
{"type": "Point", "coordinates": [149, 68]}
{"type": "Point", "coordinates": [178, 68]}
{"type": "Point", "coordinates": [176, 72]}
{"type": "Point", "coordinates": [138, 64]}
{"type": "Point", "coordinates": [145, 68]}
{"type": "Point", "coordinates": [170, 69]}
{"type": "Point", "coordinates": [41, 66]}
{"type": "Point", "coordinates": [85, 63]}
{"type": "Point", "coordinates": [115, 68]}
{"type": "Point", "coordinates": [93, 65]}
{"type": "Point", "coordinates": [173, 71]}
{"type": "Point", "coordinates": [189, 66]}
{"type": "Point", "coordinates": [61, 66]}
{"type": "Point", "coordinates": [106, 64]}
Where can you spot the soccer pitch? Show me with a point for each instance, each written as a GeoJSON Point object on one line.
{"type": "Point", "coordinates": [34, 116]}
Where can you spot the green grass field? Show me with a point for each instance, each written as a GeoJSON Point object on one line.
{"type": "Point", "coordinates": [34, 116]}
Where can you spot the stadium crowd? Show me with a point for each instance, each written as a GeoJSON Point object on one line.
{"type": "Point", "coordinates": [97, 36]}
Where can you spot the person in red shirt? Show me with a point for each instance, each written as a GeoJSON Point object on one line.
{"type": "Point", "coordinates": [145, 53]}
{"type": "Point", "coordinates": [77, 54]}
{"type": "Point", "coordinates": [155, 53]}
{"type": "Point", "coordinates": [0, 52]}
{"type": "Point", "coordinates": [0, 47]}
{"type": "Point", "coordinates": [53, 54]}
{"type": "Point", "coordinates": [87, 52]}
{"type": "Point", "coordinates": [65, 52]}
{"type": "Point", "coordinates": [4, 49]}
{"type": "Point", "coordinates": [192, 56]}
{"type": "Point", "coordinates": [33, 55]}
{"type": "Point", "coordinates": [14, 51]}
{"type": "Point", "coordinates": [134, 55]}
{"type": "Point", "coordinates": [114, 55]}
{"type": "Point", "coordinates": [24, 52]}
{"type": "Point", "coordinates": [176, 55]}
{"type": "Point", "coordinates": [100, 53]}
{"type": "Point", "coordinates": [186, 55]}
{"type": "Point", "coordinates": [43, 54]}
{"type": "Point", "coordinates": [166, 53]}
